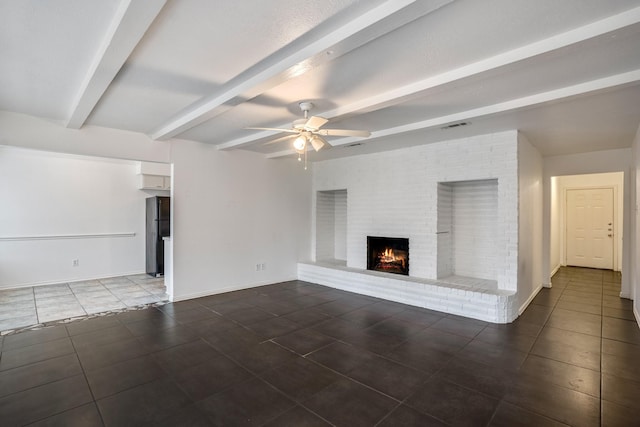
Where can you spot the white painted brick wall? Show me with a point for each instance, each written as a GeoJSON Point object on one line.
{"type": "Point", "coordinates": [496, 307]}
{"type": "Point", "coordinates": [325, 225]}
{"type": "Point", "coordinates": [340, 225]}
{"type": "Point", "coordinates": [331, 225]}
{"type": "Point", "coordinates": [395, 194]}
{"type": "Point", "coordinates": [474, 228]}
{"type": "Point", "coordinates": [445, 230]}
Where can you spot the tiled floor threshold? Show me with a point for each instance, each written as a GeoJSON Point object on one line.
{"type": "Point", "coordinates": [299, 354]}
{"type": "Point", "coordinates": [32, 306]}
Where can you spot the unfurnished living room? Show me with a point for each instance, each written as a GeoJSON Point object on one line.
{"type": "Point", "coordinates": [319, 213]}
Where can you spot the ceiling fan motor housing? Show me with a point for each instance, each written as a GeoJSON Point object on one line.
{"type": "Point", "coordinates": [305, 106]}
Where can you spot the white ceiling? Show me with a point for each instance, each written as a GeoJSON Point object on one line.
{"type": "Point", "coordinates": [566, 73]}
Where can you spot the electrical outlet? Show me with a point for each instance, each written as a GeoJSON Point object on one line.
{"type": "Point", "coordinates": [263, 266]}
{"type": "Point", "coordinates": [75, 262]}
{"type": "Point", "coordinates": [257, 267]}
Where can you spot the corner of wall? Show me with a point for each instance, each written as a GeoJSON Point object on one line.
{"type": "Point", "coordinates": [530, 229]}
{"type": "Point", "coordinates": [635, 228]}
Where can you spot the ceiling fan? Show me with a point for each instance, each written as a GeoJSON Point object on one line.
{"type": "Point", "coordinates": [308, 131]}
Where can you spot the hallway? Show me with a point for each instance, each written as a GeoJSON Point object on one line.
{"type": "Point", "coordinates": [589, 343]}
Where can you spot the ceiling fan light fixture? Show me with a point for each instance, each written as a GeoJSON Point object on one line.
{"type": "Point", "coordinates": [300, 143]}
{"type": "Point", "coordinates": [310, 131]}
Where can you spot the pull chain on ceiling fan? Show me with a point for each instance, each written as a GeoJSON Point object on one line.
{"type": "Point", "coordinates": [308, 131]}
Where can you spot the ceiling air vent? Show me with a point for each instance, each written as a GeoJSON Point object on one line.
{"type": "Point", "coordinates": [455, 125]}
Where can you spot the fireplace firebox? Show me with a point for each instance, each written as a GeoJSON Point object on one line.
{"type": "Point", "coordinates": [388, 254]}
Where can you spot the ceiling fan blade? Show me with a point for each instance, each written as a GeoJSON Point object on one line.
{"type": "Point", "coordinates": [314, 123]}
{"type": "Point", "coordinates": [277, 130]}
{"type": "Point", "coordinates": [282, 138]}
{"type": "Point", "coordinates": [318, 142]}
{"type": "Point", "coordinates": [344, 132]}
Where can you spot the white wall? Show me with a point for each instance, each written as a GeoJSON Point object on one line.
{"type": "Point", "coordinates": [555, 260]}
{"type": "Point", "coordinates": [529, 222]}
{"type": "Point", "coordinates": [233, 210]}
{"type": "Point", "coordinates": [395, 193]}
{"type": "Point", "coordinates": [635, 229]}
{"type": "Point", "coordinates": [612, 179]}
{"type": "Point", "coordinates": [620, 160]}
{"type": "Point", "coordinates": [46, 194]}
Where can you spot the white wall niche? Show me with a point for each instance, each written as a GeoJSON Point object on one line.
{"type": "Point", "coordinates": [331, 226]}
{"type": "Point", "coordinates": [467, 218]}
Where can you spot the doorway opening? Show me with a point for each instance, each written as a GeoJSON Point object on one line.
{"type": "Point", "coordinates": [587, 221]}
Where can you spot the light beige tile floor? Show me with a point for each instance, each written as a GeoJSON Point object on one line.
{"type": "Point", "coordinates": [25, 307]}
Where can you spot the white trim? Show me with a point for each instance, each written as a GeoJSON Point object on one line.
{"type": "Point", "coordinates": [524, 306]}
{"type": "Point", "coordinates": [59, 281]}
{"type": "Point", "coordinates": [177, 298]}
{"type": "Point", "coordinates": [636, 315]}
{"type": "Point", "coordinates": [66, 236]}
{"type": "Point", "coordinates": [553, 272]}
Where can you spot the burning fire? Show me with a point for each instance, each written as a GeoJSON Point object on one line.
{"type": "Point", "coordinates": [389, 257]}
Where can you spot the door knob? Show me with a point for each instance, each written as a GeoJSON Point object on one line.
{"type": "Point", "coordinates": [609, 234]}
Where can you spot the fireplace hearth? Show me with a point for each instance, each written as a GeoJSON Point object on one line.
{"type": "Point", "coordinates": [388, 254]}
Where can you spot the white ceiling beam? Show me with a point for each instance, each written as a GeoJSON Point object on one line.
{"type": "Point", "coordinates": [129, 24]}
{"type": "Point", "coordinates": [291, 61]}
{"type": "Point", "coordinates": [611, 82]}
{"type": "Point", "coordinates": [404, 93]}
{"type": "Point", "coordinates": [522, 53]}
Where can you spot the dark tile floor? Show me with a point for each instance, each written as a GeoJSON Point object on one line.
{"type": "Point", "coordinates": [297, 354]}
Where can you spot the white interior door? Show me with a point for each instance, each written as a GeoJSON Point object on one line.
{"type": "Point", "coordinates": [589, 224]}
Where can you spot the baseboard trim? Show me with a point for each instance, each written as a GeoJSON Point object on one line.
{"type": "Point", "coordinates": [55, 282]}
{"type": "Point", "coordinates": [555, 270]}
{"type": "Point", "coordinates": [209, 293]}
{"type": "Point", "coordinates": [524, 306]}
{"type": "Point", "coordinates": [637, 316]}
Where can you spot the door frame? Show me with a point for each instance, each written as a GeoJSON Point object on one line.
{"type": "Point", "coordinates": [616, 226]}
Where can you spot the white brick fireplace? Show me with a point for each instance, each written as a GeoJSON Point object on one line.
{"type": "Point", "coordinates": [457, 203]}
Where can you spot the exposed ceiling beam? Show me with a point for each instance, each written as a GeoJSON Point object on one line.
{"type": "Point", "coordinates": [606, 83]}
{"type": "Point", "coordinates": [300, 56]}
{"type": "Point", "coordinates": [407, 92]}
{"type": "Point", "coordinates": [130, 22]}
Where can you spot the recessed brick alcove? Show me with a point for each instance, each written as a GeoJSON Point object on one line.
{"type": "Point", "coordinates": [467, 229]}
